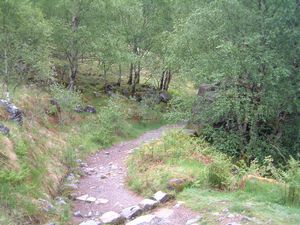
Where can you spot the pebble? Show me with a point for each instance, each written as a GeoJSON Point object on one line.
{"type": "Point", "coordinates": [77, 214]}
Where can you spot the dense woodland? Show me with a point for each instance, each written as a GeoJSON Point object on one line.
{"type": "Point", "coordinates": [230, 69]}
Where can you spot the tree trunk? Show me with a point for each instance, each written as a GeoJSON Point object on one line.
{"type": "Point", "coordinates": [165, 80]}
{"type": "Point", "coordinates": [130, 74]}
{"type": "Point", "coordinates": [120, 75]}
{"type": "Point", "coordinates": [73, 56]}
{"type": "Point", "coordinates": [135, 79]}
{"type": "Point", "coordinates": [162, 80]}
{"type": "Point", "coordinates": [138, 72]}
{"type": "Point", "coordinates": [105, 74]}
{"type": "Point", "coordinates": [6, 76]}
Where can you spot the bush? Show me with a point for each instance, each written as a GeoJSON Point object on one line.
{"type": "Point", "coordinates": [219, 173]}
{"type": "Point", "coordinates": [111, 123]}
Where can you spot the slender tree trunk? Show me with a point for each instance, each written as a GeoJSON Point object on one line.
{"type": "Point", "coordinates": [162, 80]}
{"type": "Point", "coordinates": [130, 74]}
{"type": "Point", "coordinates": [6, 76]}
{"type": "Point", "coordinates": [134, 82]}
{"type": "Point", "coordinates": [120, 75]}
{"type": "Point", "coordinates": [105, 74]}
{"type": "Point", "coordinates": [6, 70]}
{"type": "Point", "coordinates": [138, 73]}
{"type": "Point", "coordinates": [73, 56]}
{"type": "Point", "coordinates": [165, 80]}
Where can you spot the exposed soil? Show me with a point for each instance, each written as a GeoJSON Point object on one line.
{"type": "Point", "coordinates": [107, 181]}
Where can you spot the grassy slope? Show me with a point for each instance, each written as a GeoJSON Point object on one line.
{"type": "Point", "coordinates": [35, 157]}
{"type": "Point", "coordinates": [179, 156]}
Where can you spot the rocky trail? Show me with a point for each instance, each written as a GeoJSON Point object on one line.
{"type": "Point", "coordinates": [101, 196]}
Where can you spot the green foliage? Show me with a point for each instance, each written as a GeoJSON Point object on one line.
{"type": "Point", "coordinates": [245, 49]}
{"type": "Point", "coordinates": [65, 98]}
{"type": "Point", "coordinates": [180, 108]}
{"type": "Point", "coordinates": [292, 179]}
{"type": "Point", "coordinates": [111, 122]}
{"type": "Point", "coordinates": [220, 173]}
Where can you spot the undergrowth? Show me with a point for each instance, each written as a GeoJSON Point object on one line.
{"type": "Point", "coordinates": [212, 182]}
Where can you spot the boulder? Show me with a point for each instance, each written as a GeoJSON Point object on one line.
{"type": "Point", "coordinates": [145, 220]}
{"type": "Point", "coordinates": [14, 112]}
{"type": "Point", "coordinates": [112, 218]}
{"type": "Point", "coordinates": [148, 204]}
{"type": "Point", "coordinates": [177, 184]}
{"type": "Point", "coordinates": [4, 130]}
{"type": "Point", "coordinates": [164, 97]}
{"type": "Point", "coordinates": [132, 212]}
{"type": "Point", "coordinates": [90, 109]}
{"type": "Point", "coordinates": [161, 197]}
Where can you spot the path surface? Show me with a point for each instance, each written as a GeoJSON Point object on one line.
{"type": "Point", "coordinates": [106, 180]}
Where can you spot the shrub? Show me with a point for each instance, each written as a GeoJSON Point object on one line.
{"type": "Point", "coordinates": [219, 173]}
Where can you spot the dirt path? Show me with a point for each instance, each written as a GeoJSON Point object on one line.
{"type": "Point", "coordinates": [106, 181]}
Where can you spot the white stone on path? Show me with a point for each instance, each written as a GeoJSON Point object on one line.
{"type": "Point", "coordinates": [112, 218]}
{"type": "Point", "coordinates": [90, 222]}
{"type": "Point", "coordinates": [86, 198]}
{"type": "Point", "coordinates": [101, 201]}
{"type": "Point", "coordinates": [161, 197]}
{"type": "Point", "coordinates": [148, 204]}
{"type": "Point", "coordinates": [145, 220]}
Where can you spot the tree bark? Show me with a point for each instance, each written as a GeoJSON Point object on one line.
{"type": "Point", "coordinates": [73, 55]}
{"type": "Point", "coordinates": [130, 74]}
{"type": "Point", "coordinates": [120, 75]}
{"type": "Point", "coordinates": [165, 80]}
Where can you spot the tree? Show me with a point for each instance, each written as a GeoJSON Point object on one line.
{"type": "Point", "coordinates": [24, 42]}
{"type": "Point", "coordinates": [250, 51]}
{"type": "Point", "coordinates": [71, 37]}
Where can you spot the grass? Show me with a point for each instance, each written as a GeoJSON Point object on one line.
{"type": "Point", "coordinates": [257, 200]}
{"type": "Point", "coordinates": [210, 186]}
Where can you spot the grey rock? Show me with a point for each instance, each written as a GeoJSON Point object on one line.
{"type": "Point", "coordinates": [112, 218]}
{"type": "Point", "coordinates": [194, 220]}
{"type": "Point", "coordinates": [103, 177]}
{"type": "Point", "coordinates": [90, 109]}
{"type": "Point", "coordinates": [4, 130]}
{"type": "Point", "coordinates": [164, 97]}
{"type": "Point", "coordinates": [89, 215]}
{"type": "Point", "coordinates": [148, 204]}
{"type": "Point", "coordinates": [132, 212]}
{"type": "Point", "coordinates": [77, 214]}
{"type": "Point", "coordinates": [14, 112]}
{"type": "Point", "coordinates": [46, 205]}
{"type": "Point", "coordinates": [79, 109]}
{"type": "Point", "coordinates": [60, 201]}
{"type": "Point", "coordinates": [145, 220]}
{"type": "Point", "coordinates": [161, 197]}
{"type": "Point", "coordinates": [90, 222]}
{"type": "Point", "coordinates": [177, 184]}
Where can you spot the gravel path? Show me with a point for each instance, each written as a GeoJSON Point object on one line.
{"type": "Point", "coordinates": [106, 181]}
